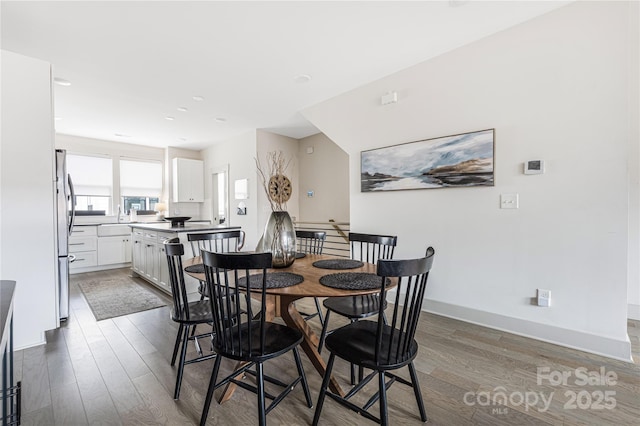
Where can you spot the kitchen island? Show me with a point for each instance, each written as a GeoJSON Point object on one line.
{"type": "Point", "coordinates": [148, 256]}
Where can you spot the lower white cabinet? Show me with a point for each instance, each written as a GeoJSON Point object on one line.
{"type": "Point", "coordinates": [149, 258]}
{"type": "Point", "coordinates": [113, 250]}
{"type": "Point", "coordinates": [86, 259]}
{"type": "Point", "coordinates": [163, 268]}
{"type": "Point", "coordinates": [137, 261]}
{"type": "Point", "coordinates": [98, 247]}
{"type": "Point", "coordinates": [83, 245]}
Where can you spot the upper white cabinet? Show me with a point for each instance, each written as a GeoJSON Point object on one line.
{"type": "Point", "coordinates": [188, 180]}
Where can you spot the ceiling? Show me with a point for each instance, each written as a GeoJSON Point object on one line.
{"type": "Point", "coordinates": [133, 64]}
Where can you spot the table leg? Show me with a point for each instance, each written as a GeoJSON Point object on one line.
{"type": "Point", "coordinates": [271, 309]}
{"type": "Point", "coordinates": [292, 318]}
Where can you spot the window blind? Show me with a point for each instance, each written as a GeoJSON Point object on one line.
{"type": "Point", "coordinates": [140, 178]}
{"type": "Point", "coordinates": [90, 175]}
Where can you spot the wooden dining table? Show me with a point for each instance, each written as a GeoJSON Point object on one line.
{"type": "Point", "coordinates": [280, 303]}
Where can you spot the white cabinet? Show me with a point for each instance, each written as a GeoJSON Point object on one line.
{"type": "Point", "coordinates": [149, 258]}
{"type": "Point", "coordinates": [137, 248]}
{"type": "Point", "coordinates": [163, 269]}
{"type": "Point", "coordinates": [114, 244]}
{"type": "Point", "coordinates": [188, 180]}
{"type": "Point", "coordinates": [98, 247]}
{"type": "Point", "coordinates": [83, 244]}
{"type": "Point", "coordinates": [113, 250]}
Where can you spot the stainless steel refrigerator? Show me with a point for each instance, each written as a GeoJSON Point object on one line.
{"type": "Point", "coordinates": [65, 205]}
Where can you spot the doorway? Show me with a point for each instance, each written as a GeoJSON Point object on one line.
{"type": "Point", "coordinates": [220, 195]}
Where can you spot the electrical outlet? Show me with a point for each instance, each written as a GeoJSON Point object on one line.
{"type": "Point", "coordinates": [544, 298]}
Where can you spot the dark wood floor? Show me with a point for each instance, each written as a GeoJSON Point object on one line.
{"type": "Point", "coordinates": [117, 371]}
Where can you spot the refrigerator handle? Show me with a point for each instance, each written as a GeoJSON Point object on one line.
{"type": "Point", "coordinates": [72, 193]}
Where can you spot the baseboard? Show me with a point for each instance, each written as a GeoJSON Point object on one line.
{"type": "Point", "coordinates": [592, 343]}
{"type": "Point", "coordinates": [99, 268]}
{"type": "Point", "coordinates": [31, 345]}
{"type": "Point", "coordinates": [633, 311]}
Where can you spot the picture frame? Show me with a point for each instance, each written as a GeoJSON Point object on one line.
{"type": "Point", "coordinates": [460, 160]}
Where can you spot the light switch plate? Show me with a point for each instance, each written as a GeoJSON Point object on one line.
{"type": "Point", "coordinates": [509, 201]}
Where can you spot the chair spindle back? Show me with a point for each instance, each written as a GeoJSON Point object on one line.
{"type": "Point", "coordinates": [225, 274]}
{"type": "Point", "coordinates": [219, 242]}
{"type": "Point", "coordinates": [371, 248]}
{"type": "Point", "coordinates": [174, 251]}
{"type": "Point", "coordinates": [311, 242]}
{"type": "Point", "coordinates": [412, 275]}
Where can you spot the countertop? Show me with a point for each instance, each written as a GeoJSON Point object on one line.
{"type": "Point", "coordinates": [105, 223]}
{"type": "Point", "coordinates": [188, 227]}
{"type": "Point", "coordinates": [153, 222]}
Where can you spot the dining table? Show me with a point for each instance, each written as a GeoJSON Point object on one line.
{"type": "Point", "coordinates": [317, 272]}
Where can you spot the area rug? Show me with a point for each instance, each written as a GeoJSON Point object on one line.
{"type": "Point", "coordinates": [117, 297]}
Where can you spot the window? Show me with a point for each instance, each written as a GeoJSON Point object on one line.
{"type": "Point", "coordinates": [140, 184]}
{"type": "Point", "coordinates": [93, 183]}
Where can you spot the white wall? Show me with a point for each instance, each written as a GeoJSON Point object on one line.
{"type": "Point", "coordinates": [270, 142]}
{"type": "Point", "coordinates": [326, 172]}
{"type": "Point", "coordinates": [238, 153]}
{"type": "Point", "coordinates": [82, 145]}
{"type": "Point", "coordinates": [27, 173]}
{"type": "Point", "coordinates": [90, 146]}
{"type": "Point", "coordinates": [556, 89]}
{"type": "Point", "coordinates": [633, 292]}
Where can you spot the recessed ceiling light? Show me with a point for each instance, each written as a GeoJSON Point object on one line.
{"type": "Point", "coordinates": [121, 135]}
{"type": "Point", "coordinates": [61, 81]}
{"type": "Point", "coordinates": [182, 139]}
{"type": "Point", "coordinates": [198, 98]}
{"type": "Point", "coordinates": [182, 109]}
{"type": "Point", "coordinates": [220, 119]}
{"type": "Point", "coordinates": [302, 78]}
{"type": "Point", "coordinates": [169, 118]}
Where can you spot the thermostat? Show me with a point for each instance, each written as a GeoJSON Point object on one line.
{"type": "Point", "coordinates": [534, 167]}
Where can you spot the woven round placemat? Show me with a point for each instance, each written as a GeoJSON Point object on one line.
{"type": "Point", "coordinates": [198, 268]}
{"type": "Point", "coordinates": [338, 264]}
{"type": "Point", "coordinates": [274, 280]}
{"type": "Point", "coordinates": [352, 281]}
{"type": "Point", "coordinates": [300, 255]}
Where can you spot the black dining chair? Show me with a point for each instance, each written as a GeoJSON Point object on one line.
{"type": "Point", "coordinates": [311, 242]}
{"type": "Point", "coordinates": [187, 314]}
{"type": "Point", "coordinates": [245, 337]}
{"type": "Point", "coordinates": [367, 248]}
{"type": "Point", "coordinates": [219, 242]}
{"type": "Point", "coordinates": [383, 347]}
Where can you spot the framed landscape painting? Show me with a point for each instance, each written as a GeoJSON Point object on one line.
{"type": "Point", "coordinates": [449, 161]}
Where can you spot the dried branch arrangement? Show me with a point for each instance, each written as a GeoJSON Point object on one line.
{"type": "Point", "coordinates": [276, 184]}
